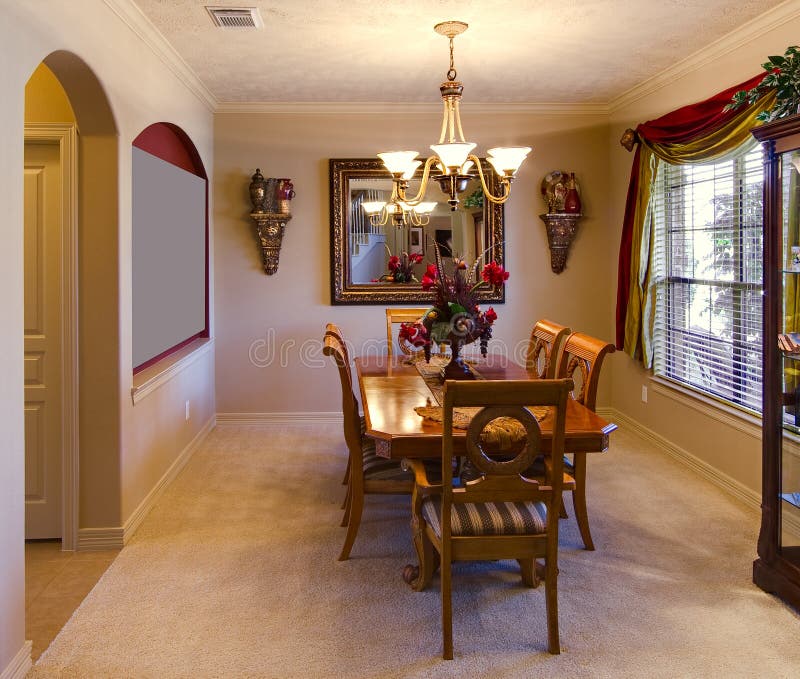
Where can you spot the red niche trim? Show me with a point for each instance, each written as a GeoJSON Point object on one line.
{"type": "Point", "coordinates": [170, 143]}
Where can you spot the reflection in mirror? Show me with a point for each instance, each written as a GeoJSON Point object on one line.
{"type": "Point", "coordinates": [361, 245]}
{"type": "Point", "coordinates": [460, 233]}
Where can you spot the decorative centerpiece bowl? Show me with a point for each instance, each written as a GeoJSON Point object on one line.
{"type": "Point", "coordinates": [455, 317]}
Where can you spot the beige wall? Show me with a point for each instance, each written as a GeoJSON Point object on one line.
{"type": "Point", "coordinates": [295, 302]}
{"type": "Point", "coordinates": [730, 451]}
{"type": "Point", "coordinates": [135, 444]}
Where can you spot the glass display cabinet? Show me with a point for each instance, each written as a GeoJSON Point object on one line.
{"type": "Point", "coordinates": [777, 570]}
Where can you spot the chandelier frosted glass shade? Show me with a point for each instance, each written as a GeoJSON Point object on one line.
{"type": "Point", "coordinates": [399, 162]}
{"type": "Point", "coordinates": [507, 159]}
{"type": "Point", "coordinates": [373, 207]}
{"type": "Point", "coordinates": [454, 155]}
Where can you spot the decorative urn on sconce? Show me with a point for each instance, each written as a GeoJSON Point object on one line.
{"type": "Point", "coordinates": [271, 212]}
{"type": "Point", "coordinates": [561, 194]}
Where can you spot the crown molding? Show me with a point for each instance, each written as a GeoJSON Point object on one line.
{"type": "Point", "coordinates": [748, 31]}
{"type": "Point", "coordinates": [407, 108]}
{"type": "Point", "coordinates": [135, 19]}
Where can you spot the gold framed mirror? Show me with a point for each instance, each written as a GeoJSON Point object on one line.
{"type": "Point", "coordinates": [360, 250]}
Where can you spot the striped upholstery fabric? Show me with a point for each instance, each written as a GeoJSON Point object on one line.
{"type": "Point", "coordinates": [488, 518]}
{"type": "Point", "coordinates": [379, 467]}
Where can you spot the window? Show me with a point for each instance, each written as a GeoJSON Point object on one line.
{"type": "Point", "coordinates": [708, 273]}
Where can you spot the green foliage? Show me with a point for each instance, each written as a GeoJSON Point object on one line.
{"type": "Point", "coordinates": [474, 199]}
{"type": "Point", "coordinates": [783, 76]}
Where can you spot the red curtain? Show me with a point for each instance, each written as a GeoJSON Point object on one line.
{"type": "Point", "coordinates": [678, 127]}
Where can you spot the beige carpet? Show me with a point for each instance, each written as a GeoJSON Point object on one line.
{"type": "Point", "coordinates": [233, 574]}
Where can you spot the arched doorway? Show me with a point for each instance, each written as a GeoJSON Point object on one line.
{"type": "Point", "coordinates": [87, 332]}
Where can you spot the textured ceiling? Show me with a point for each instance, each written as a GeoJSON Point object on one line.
{"type": "Point", "coordinates": [532, 51]}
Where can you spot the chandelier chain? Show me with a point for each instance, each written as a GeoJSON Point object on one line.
{"type": "Point", "coordinates": [451, 74]}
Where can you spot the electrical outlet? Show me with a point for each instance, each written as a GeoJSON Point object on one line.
{"type": "Point", "coordinates": [644, 397]}
{"type": "Point", "coordinates": [188, 411]}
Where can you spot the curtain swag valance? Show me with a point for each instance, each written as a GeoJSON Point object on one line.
{"type": "Point", "coordinates": [696, 133]}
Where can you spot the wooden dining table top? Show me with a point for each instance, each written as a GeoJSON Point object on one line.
{"type": "Point", "coordinates": [391, 389]}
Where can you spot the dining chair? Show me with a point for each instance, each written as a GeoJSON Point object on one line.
{"type": "Point", "coordinates": [543, 348]}
{"type": "Point", "coordinates": [581, 360]}
{"type": "Point", "coordinates": [333, 329]}
{"type": "Point", "coordinates": [367, 472]}
{"type": "Point", "coordinates": [396, 316]}
{"type": "Point", "coordinates": [500, 514]}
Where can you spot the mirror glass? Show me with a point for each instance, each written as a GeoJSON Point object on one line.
{"type": "Point", "coordinates": [360, 249]}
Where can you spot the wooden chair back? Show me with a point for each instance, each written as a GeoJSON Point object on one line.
{"type": "Point", "coordinates": [584, 354]}
{"type": "Point", "coordinates": [395, 317]}
{"type": "Point", "coordinates": [502, 480]}
{"type": "Point", "coordinates": [543, 347]}
{"type": "Point", "coordinates": [335, 347]}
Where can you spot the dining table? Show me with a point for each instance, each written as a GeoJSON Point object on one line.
{"type": "Point", "coordinates": [392, 387]}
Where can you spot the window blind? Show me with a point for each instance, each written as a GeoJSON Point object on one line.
{"type": "Point", "coordinates": [707, 241]}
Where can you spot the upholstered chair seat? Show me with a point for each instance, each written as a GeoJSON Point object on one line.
{"type": "Point", "coordinates": [379, 468]}
{"type": "Point", "coordinates": [488, 518]}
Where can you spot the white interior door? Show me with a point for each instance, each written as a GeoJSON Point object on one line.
{"type": "Point", "coordinates": [43, 353]}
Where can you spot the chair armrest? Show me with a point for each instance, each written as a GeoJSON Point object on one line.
{"type": "Point", "coordinates": [421, 480]}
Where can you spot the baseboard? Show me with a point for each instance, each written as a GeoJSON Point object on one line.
{"type": "Point", "coordinates": [20, 664]}
{"type": "Point", "coordinates": [280, 418]}
{"type": "Point", "coordinates": [116, 537]}
{"type": "Point", "coordinates": [99, 539]}
{"type": "Point", "coordinates": [138, 515]}
{"type": "Point", "coordinates": [730, 485]}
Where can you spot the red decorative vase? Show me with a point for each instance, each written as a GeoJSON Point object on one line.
{"type": "Point", "coordinates": [285, 190]}
{"type": "Point", "coordinates": [572, 201]}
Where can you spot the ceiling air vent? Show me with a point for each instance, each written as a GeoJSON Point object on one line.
{"type": "Point", "coordinates": [236, 17]}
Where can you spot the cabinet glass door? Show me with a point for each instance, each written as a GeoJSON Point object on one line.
{"type": "Point", "coordinates": [789, 343]}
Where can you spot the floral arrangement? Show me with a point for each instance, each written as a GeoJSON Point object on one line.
{"type": "Point", "coordinates": [783, 76]}
{"type": "Point", "coordinates": [401, 268]}
{"type": "Point", "coordinates": [455, 316]}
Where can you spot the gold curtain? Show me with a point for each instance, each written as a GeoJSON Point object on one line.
{"type": "Point", "coordinates": [718, 143]}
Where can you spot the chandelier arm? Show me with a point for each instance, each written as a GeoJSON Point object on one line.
{"type": "Point", "coordinates": [384, 218]}
{"type": "Point", "coordinates": [458, 120]}
{"type": "Point", "coordinates": [505, 183]}
{"type": "Point", "coordinates": [444, 125]}
{"type": "Point", "coordinates": [451, 123]}
{"type": "Point", "coordinates": [416, 200]}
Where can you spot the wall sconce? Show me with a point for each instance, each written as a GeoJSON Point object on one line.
{"type": "Point", "coordinates": [271, 212]}
{"type": "Point", "coordinates": [560, 192]}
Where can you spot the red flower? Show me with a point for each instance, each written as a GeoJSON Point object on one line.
{"type": "Point", "coordinates": [494, 274]}
{"type": "Point", "coordinates": [415, 334]}
{"type": "Point", "coordinates": [490, 315]}
{"type": "Point", "coordinates": [394, 263]}
{"type": "Point", "coordinates": [415, 258]}
{"type": "Point", "coordinates": [429, 278]}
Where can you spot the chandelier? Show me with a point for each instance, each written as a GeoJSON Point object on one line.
{"type": "Point", "coordinates": [452, 166]}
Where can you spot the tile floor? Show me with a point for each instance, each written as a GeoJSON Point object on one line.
{"type": "Point", "coordinates": [56, 583]}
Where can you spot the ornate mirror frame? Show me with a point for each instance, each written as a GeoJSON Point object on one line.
{"type": "Point", "coordinates": [343, 290]}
